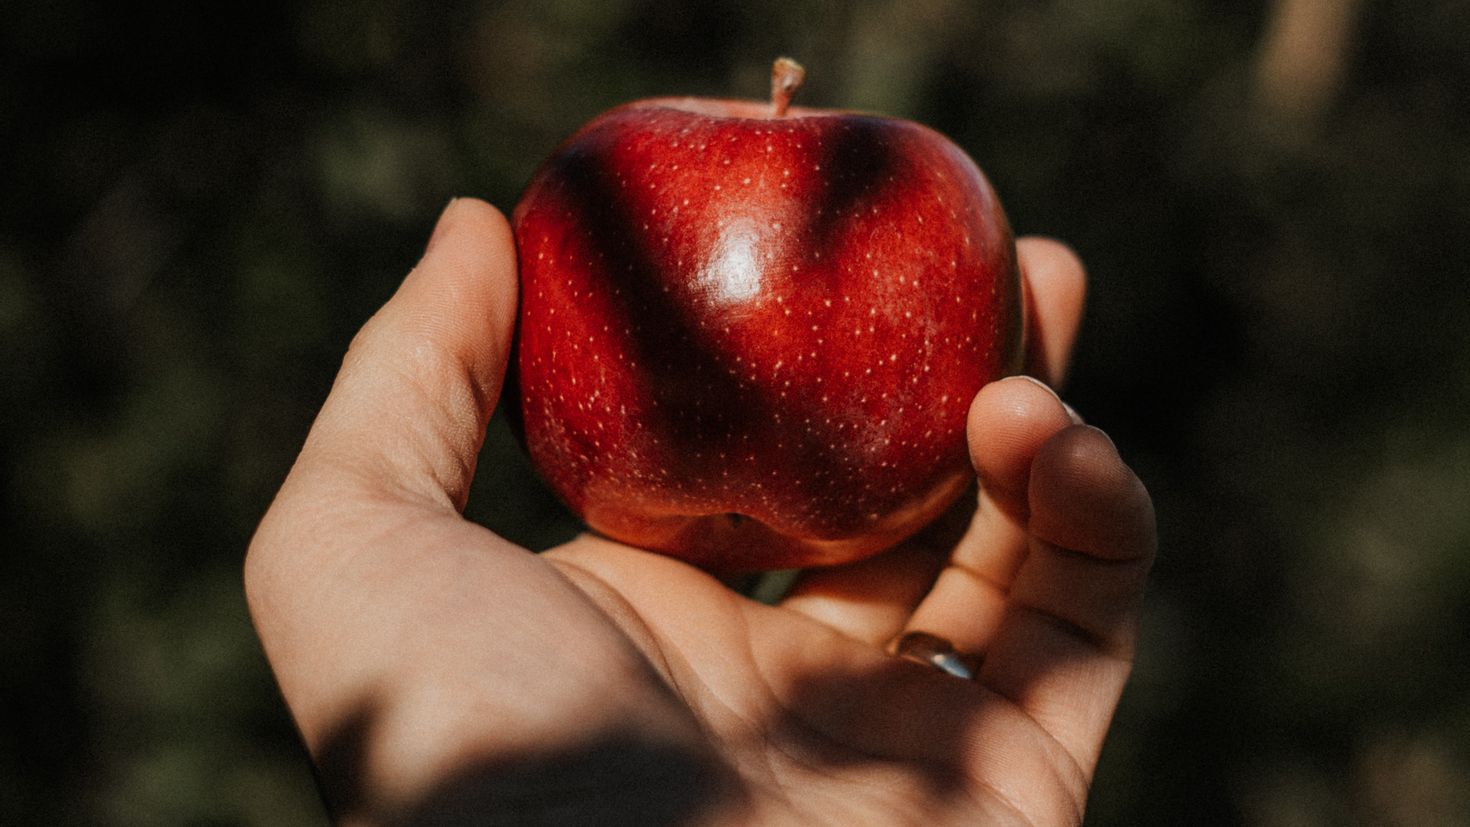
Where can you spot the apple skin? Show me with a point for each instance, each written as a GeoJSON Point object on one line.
{"type": "Point", "coordinates": [751, 341]}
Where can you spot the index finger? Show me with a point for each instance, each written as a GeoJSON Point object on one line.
{"type": "Point", "coordinates": [1056, 289]}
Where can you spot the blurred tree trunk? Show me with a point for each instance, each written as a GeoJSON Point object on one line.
{"type": "Point", "coordinates": [1303, 54]}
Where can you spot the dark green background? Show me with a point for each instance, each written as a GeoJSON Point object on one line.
{"type": "Point", "coordinates": [201, 202]}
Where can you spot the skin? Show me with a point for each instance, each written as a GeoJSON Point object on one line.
{"type": "Point", "coordinates": [440, 674]}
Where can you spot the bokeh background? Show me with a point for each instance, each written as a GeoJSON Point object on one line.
{"type": "Point", "coordinates": [201, 202]}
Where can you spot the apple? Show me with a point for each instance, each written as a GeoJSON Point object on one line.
{"type": "Point", "coordinates": [750, 333]}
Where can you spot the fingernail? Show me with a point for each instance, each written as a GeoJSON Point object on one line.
{"type": "Point", "coordinates": [1073, 415]}
{"type": "Point", "coordinates": [439, 226]}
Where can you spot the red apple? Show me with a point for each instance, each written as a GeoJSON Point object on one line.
{"type": "Point", "coordinates": [749, 334]}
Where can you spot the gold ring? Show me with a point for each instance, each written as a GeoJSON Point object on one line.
{"type": "Point", "coordinates": [932, 650]}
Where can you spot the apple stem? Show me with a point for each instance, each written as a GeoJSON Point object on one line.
{"type": "Point", "coordinates": [786, 77]}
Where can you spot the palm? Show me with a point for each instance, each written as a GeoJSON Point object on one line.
{"type": "Point", "coordinates": [822, 727]}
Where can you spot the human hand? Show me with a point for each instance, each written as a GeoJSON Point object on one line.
{"type": "Point", "coordinates": [438, 673]}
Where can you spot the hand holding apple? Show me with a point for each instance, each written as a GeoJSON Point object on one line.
{"type": "Point", "coordinates": [749, 333]}
{"type": "Point", "coordinates": [431, 664]}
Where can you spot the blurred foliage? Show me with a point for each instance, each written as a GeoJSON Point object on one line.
{"type": "Point", "coordinates": [202, 203]}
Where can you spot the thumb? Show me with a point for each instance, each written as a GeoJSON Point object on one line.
{"type": "Point", "coordinates": [408, 410]}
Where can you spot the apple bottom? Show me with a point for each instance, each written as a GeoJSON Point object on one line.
{"type": "Point", "coordinates": [725, 542]}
